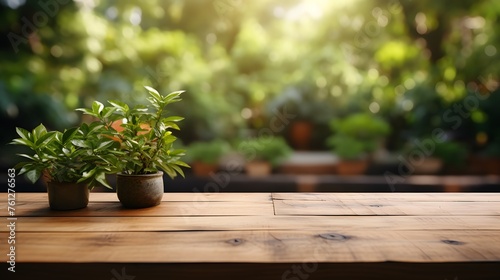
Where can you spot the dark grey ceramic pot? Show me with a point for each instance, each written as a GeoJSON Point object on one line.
{"type": "Point", "coordinates": [140, 191]}
{"type": "Point", "coordinates": [67, 196]}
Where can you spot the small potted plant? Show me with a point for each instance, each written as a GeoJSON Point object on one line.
{"type": "Point", "coordinates": [144, 134]}
{"type": "Point", "coordinates": [71, 162]}
{"type": "Point", "coordinates": [436, 157]}
{"type": "Point", "coordinates": [429, 162]}
{"type": "Point", "coordinates": [264, 153]}
{"type": "Point", "coordinates": [355, 138]}
{"type": "Point", "coordinates": [204, 156]}
{"type": "Point", "coordinates": [305, 110]}
{"type": "Point", "coordinates": [453, 155]}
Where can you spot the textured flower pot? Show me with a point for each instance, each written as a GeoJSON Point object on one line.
{"type": "Point", "coordinates": [352, 167]}
{"type": "Point", "coordinates": [140, 191]}
{"type": "Point", "coordinates": [67, 196]}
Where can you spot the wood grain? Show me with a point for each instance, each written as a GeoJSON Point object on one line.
{"type": "Point", "coordinates": [221, 236]}
{"type": "Point", "coordinates": [252, 223]}
{"type": "Point", "coordinates": [408, 197]}
{"type": "Point", "coordinates": [167, 208]}
{"type": "Point", "coordinates": [259, 246]}
{"type": "Point", "coordinates": [189, 197]}
{"type": "Point", "coordinates": [374, 207]}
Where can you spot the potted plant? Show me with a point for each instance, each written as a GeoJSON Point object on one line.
{"type": "Point", "coordinates": [354, 140]}
{"type": "Point", "coordinates": [452, 154]}
{"type": "Point", "coordinates": [351, 153]}
{"type": "Point", "coordinates": [428, 160]}
{"type": "Point", "coordinates": [72, 162]}
{"type": "Point", "coordinates": [264, 153]}
{"type": "Point", "coordinates": [145, 151]}
{"type": "Point", "coordinates": [204, 156]}
{"type": "Point", "coordinates": [305, 110]}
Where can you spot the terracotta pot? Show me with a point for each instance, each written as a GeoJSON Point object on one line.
{"type": "Point", "coordinates": [301, 135]}
{"type": "Point", "coordinates": [139, 191]}
{"type": "Point", "coordinates": [258, 168]}
{"type": "Point", "coordinates": [352, 167]}
{"type": "Point", "coordinates": [67, 196]}
{"type": "Point", "coordinates": [203, 169]}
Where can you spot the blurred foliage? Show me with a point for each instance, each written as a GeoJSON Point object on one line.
{"type": "Point", "coordinates": [207, 152]}
{"type": "Point", "coordinates": [409, 62]}
{"type": "Point", "coordinates": [451, 153]}
{"type": "Point", "coordinates": [265, 148]}
{"type": "Point", "coordinates": [357, 135]}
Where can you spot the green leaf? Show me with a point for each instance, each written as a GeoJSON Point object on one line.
{"type": "Point", "coordinates": [65, 151]}
{"type": "Point", "coordinates": [97, 108]}
{"type": "Point", "coordinates": [20, 165]}
{"type": "Point", "coordinates": [108, 111]}
{"type": "Point", "coordinates": [181, 163]}
{"type": "Point", "coordinates": [150, 170]}
{"type": "Point", "coordinates": [178, 152]}
{"type": "Point", "coordinates": [176, 93]}
{"type": "Point", "coordinates": [170, 172]}
{"type": "Point", "coordinates": [24, 167]}
{"type": "Point", "coordinates": [87, 112]}
{"type": "Point", "coordinates": [28, 157]}
{"type": "Point", "coordinates": [25, 142]}
{"type": "Point", "coordinates": [88, 175]}
{"type": "Point", "coordinates": [105, 144]}
{"type": "Point", "coordinates": [169, 139]}
{"type": "Point", "coordinates": [153, 92]}
{"type": "Point", "coordinates": [45, 138]}
{"type": "Point", "coordinates": [38, 132]}
{"type": "Point", "coordinates": [33, 175]}
{"type": "Point", "coordinates": [119, 105]}
{"type": "Point", "coordinates": [178, 169]}
{"type": "Point", "coordinates": [171, 125]}
{"type": "Point", "coordinates": [139, 109]}
{"type": "Point", "coordinates": [101, 178]}
{"type": "Point", "coordinates": [23, 133]}
{"type": "Point", "coordinates": [146, 155]}
{"type": "Point", "coordinates": [173, 97]}
{"type": "Point", "coordinates": [94, 127]}
{"type": "Point", "coordinates": [80, 143]}
{"type": "Point", "coordinates": [131, 143]}
{"type": "Point", "coordinates": [173, 119]}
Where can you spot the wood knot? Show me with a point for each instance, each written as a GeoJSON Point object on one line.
{"type": "Point", "coordinates": [452, 242]}
{"type": "Point", "coordinates": [235, 241]}
{"type": "Point", "coordinates": [334, 236]}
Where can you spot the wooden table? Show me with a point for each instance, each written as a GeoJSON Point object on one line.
{"type": "Point", "coordinates": [259, 236]}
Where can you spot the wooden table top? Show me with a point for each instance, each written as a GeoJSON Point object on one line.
{"type": "Point", "coordinates": [404, 235]}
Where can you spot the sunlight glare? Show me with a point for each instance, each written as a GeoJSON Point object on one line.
{"type": "Point", "coordinates": [308, 9]}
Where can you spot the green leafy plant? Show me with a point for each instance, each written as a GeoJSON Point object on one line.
{"type": "Point", "coordinates": [452, 154]}
{"type": "Point", "coordinates": [78, 155]}
{"type": "Point", "coordinates": [357, 135]}
{"type": "Point", "coordinates": [346, 147]}
{"type": "Point", "coordinates": [268, 148]}
{"type": "Point", "coordinates": [303, 103]}
{"type": "Point", "coordinates": [144, 134]}
{"type": "Point", "coordinates": [207, 152]}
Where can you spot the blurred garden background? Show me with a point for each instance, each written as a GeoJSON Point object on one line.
{"type": "Point", "coordinates": [390, 81]}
